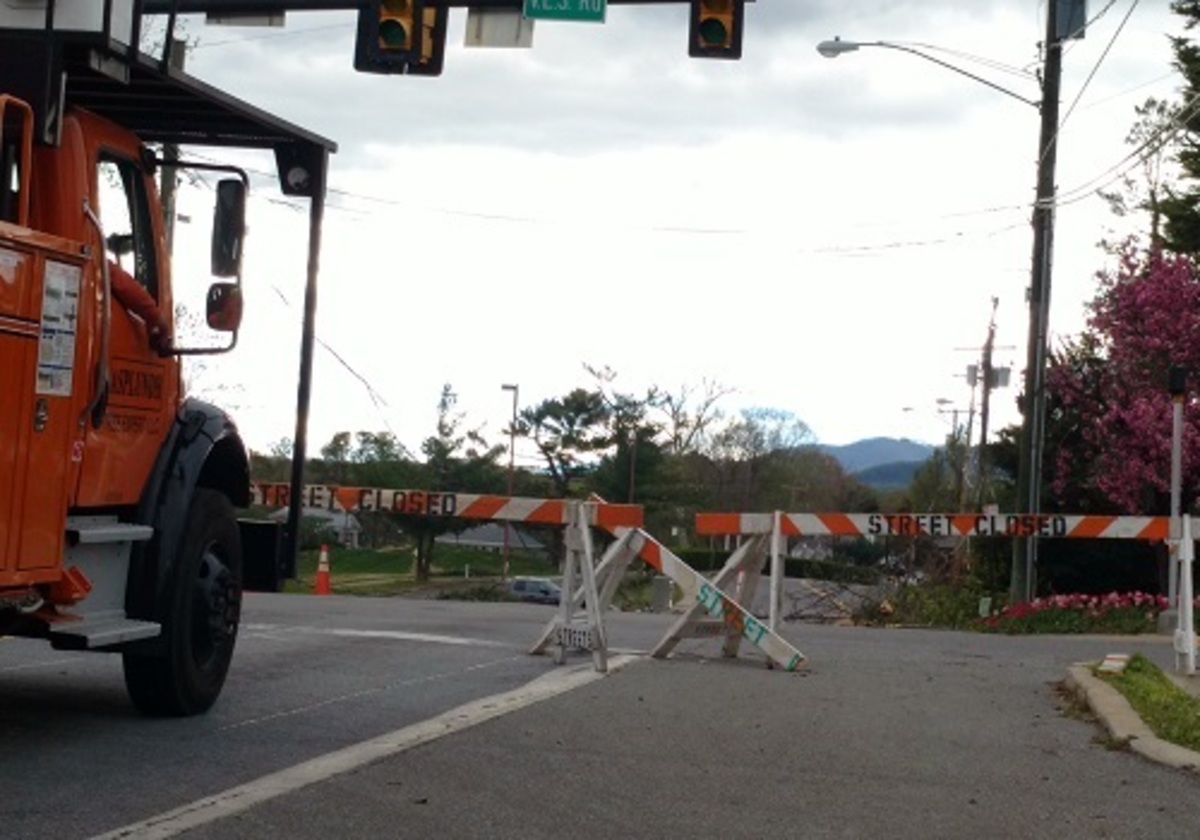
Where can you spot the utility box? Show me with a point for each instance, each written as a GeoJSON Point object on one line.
{"type": "Point", "coordinates": [1071, 19]}
{"type": "Point", "coordinates": [263, 565]}
{"type": "Point", "coordinates": [71, 16]}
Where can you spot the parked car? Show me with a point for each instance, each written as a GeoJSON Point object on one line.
{"type": "Point", "coordinates": [535, 590]}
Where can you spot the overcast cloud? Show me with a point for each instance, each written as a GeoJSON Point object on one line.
{"type": "Point", "coordinates": [825, 236]}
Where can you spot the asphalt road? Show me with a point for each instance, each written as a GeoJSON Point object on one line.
{"type": "Point", "coordinates": [889, 733]}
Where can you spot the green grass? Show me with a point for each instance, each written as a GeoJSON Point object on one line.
{"type": "Point", "coordinates": [389, 571]}
{"type": "Point", "coordinates": [1171, 713]}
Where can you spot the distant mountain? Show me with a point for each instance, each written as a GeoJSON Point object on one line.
{"type": "Point", "coordinates": [863, 455]}
{"type": "Point", "coordinates": [894, 476]}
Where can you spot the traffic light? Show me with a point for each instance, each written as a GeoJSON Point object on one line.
{"type": "Point", "coordinates": [401, 36]}
{"type": "Point", "coordinates": [431, 40]}
{"type": "Point", "coordinates": [715, 28]}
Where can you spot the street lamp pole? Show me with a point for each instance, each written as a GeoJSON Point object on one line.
{"type": "Point", "coordinates": [1033, 407]}
{"type": "Point", "coordinates": [512, 450]}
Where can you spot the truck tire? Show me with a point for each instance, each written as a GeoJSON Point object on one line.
{"type": "Point", "coordinates": [200, 621]}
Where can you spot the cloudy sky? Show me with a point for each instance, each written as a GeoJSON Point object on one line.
{"type": "Point", "coordinates": [823, 236]}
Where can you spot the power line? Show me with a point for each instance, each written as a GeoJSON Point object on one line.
{"type": "Point", "coordinates": [376, 398]}
{"type": "Point", "coordinates": [1175, 123]}
{"type": "Point", "coordinates": [197, 45]}
{"type": "Point", "coordinates": [1099, 61]}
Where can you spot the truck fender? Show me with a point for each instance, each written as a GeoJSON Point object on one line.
{"type": "Point", "coordinates": [202, 449]}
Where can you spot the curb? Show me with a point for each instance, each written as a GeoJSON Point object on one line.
{"type": "Point", "coordinates": [1123, 723]}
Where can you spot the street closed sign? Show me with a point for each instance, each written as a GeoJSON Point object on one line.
{"type": "Point", "coordinates": [586, 11]}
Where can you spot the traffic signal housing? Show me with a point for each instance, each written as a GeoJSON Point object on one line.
{"type": "Point", "coordinates": [431, 40]}
{"type": "Point", "coordinates": [401, 36]}
{"type": "Point", "coordinates": [715, 28]}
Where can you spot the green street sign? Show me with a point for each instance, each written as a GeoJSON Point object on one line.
{"type": "Point", "coordinates": [585, 11]}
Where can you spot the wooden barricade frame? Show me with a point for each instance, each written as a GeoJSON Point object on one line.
{"type": "Point", "coordinates": [779, 526]}
{"type": "Point", "coordinates": [588, 585]}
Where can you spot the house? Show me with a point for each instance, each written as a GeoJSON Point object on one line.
{"type": "Point", "coordinates": [345, 525]}
{"type": "Point", "coordinates": [489, 536]}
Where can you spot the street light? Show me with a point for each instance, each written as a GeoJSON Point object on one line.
{"type": "Point", "coordinates": [834, 48]}
{"type": "Point", "coordinates": [1033, 408]}
{"type": "Point", "coordinates": [512, 450]}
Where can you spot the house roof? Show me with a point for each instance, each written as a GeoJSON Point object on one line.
{"type": "Point", "coordinates": [492, 534]}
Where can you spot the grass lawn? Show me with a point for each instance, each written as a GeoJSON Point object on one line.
{"type": "Point", "coordinates": [389, 571]}
{"type": "Point", "coordinates": [1171, 713]}
{"type": "Point", "coordinates": [464, 573]}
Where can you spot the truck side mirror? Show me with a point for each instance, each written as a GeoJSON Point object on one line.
{"type": "Point", "coordinates": [229, 226]}
{"type": "Point", "coordinates": [224, 307]}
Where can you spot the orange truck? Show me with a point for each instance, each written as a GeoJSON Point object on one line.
{"type": "Point", "coordinates": [118, 492]}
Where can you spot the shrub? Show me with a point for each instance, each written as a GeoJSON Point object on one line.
{"type": "Point", "coordinates": [929, 605]}
{"type": "Point", "coordinates": [1130, 612]}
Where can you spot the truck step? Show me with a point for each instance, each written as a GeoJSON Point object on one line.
{"type": "Point", "coordinates": [101, 631]}
{"type": "Point", "coordinates": [93, 533]}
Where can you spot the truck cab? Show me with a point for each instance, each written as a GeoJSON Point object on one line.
{"type": "Point", "coordinates": [118, 492]}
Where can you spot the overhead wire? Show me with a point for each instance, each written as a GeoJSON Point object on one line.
{"type": "Point", "coordinates": [1060, 197]}
{"type": "Point", "coordinates": [1149, 146]}
{"type": "Point", "coordinates": [1099, 61]}
{"type": "Point", "coordinates": [376, 398]}
{"type": "Point", "coordinates": [993, 64]}
{"type": "Point", "coordinates": [199, 179]}
{"type": "Point", "coordinates": [1116, 171]}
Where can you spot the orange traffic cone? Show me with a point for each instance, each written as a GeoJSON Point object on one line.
{"type": "Point", "coordinates": [321, 585]}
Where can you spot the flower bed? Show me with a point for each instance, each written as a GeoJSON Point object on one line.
{"type": "Point", "coordinates": [1116, 612]}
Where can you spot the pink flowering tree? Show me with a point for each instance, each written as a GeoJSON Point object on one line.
{"type": "Point", "coordinates": [1109, 425]}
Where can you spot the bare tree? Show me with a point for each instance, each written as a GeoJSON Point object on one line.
{"type": "Point", "coordinates": [690, 413]}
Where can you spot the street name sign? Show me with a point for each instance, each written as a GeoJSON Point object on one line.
{"type": "Point", "coordinates": [579, 11]}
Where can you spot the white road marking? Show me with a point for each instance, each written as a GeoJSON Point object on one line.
{"type": "Point", "coordinates": [42, 663]}
{"type": "Point", "coordinates": [266, 788]}
{"type": "Point", "coordinates": [270, 630]}
{"type": "Point", "coordinates": [355, 695]}
{"type": "Point", "coordinates": [415, 637]}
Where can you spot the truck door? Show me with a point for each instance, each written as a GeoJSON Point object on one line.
{"type": "Point", "coordinates": [143, 386]}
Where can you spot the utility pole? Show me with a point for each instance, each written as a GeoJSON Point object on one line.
{"type": "Point", "coordinates": [1029, 471]}
{"type": "Point", "coordinates": [176, 53]}
{"type": "Point", "coordinates": [512, 454]}
{"type": "Point", "coordinates": [989, 382]}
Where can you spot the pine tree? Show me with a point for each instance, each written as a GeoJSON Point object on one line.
{"type": "Point", "coordinates": [1181, 207]}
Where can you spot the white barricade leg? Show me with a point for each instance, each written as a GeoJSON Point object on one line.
{"type": "Point", "coordinates": [592, 605]}
{"type": "Point", "coordinates": [587, 594]}
{"type": "Point", "coordinates": [748, 576]}
{"type": "Point", "coordinates": [1185, 634]}
{"type": "Point", "coordinates": [777, 551]}
{"type": "Point", "coordinates": [698, 620]}
{"type": "Point", "coordinates": [699, 590]}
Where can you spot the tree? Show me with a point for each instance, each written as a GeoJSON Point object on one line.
{"type": "Point", "coordinates": [690, 414]}
{"type": "Point", "coordinates": [454, 460]}
{"type": "Point", "coordinates": [335, 458]}
{"type": "Point", "coordinates": [1150, 136]}
{"type": "Point", "coordinates": [937, 484]}
{"type": "Point", "coordinates": [1110, 405]}
{"type": "Point", "coordinates": [377, 446]}
{"type": "Point", "coordinates": [739, 451]}
{"type": "Point", "coordinates": [567, 431]}
{"type": "Point", "coordinates": [1180, 206]}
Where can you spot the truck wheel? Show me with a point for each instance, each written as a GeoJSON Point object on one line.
{"type": "Point", "coordinates": [201, 620]}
